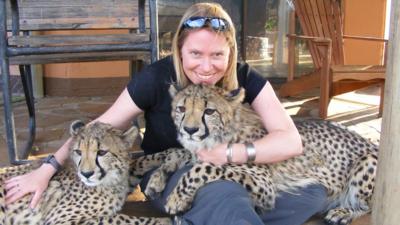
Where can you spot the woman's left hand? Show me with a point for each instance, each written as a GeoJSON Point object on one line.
{"type": "Point", "coordinates": [216, 156]}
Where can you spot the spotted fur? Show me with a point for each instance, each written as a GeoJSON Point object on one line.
{"type": "Point", "coordinates": [339, 159]}
{"type": "Point", "coordinates": [90, 191]}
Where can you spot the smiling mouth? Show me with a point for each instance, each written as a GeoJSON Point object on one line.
{"type": "Point", "coordinates": [205, 77]}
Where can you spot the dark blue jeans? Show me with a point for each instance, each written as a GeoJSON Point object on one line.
{"type": "Point", "coordinates": [228, 203]}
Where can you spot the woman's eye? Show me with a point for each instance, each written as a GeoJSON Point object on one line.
{"type": "Point", "coordinates": [181, 109]}
{"type": "Point", "coordinates": [101, 152]}
{"type": "Point", "coordinates": [78, 152]}
{"type": "Point", "coordinates": [209, 111]}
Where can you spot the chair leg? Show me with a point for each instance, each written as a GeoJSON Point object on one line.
{"type": "Point", "coordinates": [8, 112]}
{"type": "Point", "coordinates": [323, 106]}
{"type": "Point", "coordinates": [324, 94]}
{"type": "Point", "coordinates": [325, 80]}
{"type": "Point", "coordinates": [382, 87]}
{"type": "Point", "coordinates": [26, 78]}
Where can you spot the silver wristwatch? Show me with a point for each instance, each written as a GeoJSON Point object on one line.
{"type": "Point", "coordinates": [53, 162]}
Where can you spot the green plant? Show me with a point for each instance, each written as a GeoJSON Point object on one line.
{"type": "Point", "coordinates": [271, 24]}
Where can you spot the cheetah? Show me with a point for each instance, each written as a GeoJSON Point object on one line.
{"type": "Point", "coordinates": [339, 159]}
{"type": "Point", "coordinates": [90, 191]}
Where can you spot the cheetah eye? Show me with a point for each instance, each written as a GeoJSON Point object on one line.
{"type": "Point", "coordinates": [78, 152]}
{"type": "Point", "coordinates": [209, 111]}
{"type": "Point", "coordinates": [181, 109]}
{"type": "Point", "coordinates": [101, 152]}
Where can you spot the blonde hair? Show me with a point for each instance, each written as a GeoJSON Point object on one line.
{"type": "Point", "coordinates": [229, 80]}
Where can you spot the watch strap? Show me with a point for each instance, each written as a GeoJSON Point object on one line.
{"type": "Point", "coordinates": [53, 162]}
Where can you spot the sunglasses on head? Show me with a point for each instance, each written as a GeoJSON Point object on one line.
{"type": "Point", "coordinates": [216, 23]}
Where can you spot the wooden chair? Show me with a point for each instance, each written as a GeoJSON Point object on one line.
{"type": "Point", "coordinates": [22, 18]}
{"type": "Point", "coordinates": [321, 24]}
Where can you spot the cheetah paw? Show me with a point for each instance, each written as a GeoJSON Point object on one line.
{"type": "Point", "coordinates": [176, 204]}
{"type": "Point", "coordinates": [338, 216]}
{"type": "Point", "coordinates": [155, 185]}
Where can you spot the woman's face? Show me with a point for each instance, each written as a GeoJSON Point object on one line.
{"type": "Point", "coordinates": [205, 56]}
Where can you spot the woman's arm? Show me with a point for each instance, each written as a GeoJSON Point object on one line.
{"type": "Point", "coordinates": [119, 115]}
{"type": "Point", "coordinates": [282, 141]}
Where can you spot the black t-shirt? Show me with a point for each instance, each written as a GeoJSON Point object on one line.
{"type": "Point", "coordinates": [149, 90]}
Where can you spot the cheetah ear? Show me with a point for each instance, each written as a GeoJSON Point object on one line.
{"type": "Point", "coordinates": [174, 89]}
{"type": "Point", "coordinates": [76, 127]}
{"type": "Point", "coordinates": [235, 96]}
{"type": "Point", "coordinates": [129, 136]}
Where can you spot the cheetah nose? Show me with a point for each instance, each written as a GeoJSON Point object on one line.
{"type": "Point", "coordinates": [191, 130]}
{"type": "Point", "coordinates": [87, 174]}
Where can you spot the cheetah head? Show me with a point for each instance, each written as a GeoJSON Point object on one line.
{"type": "Point", "coordinates": [201, 114]}
{"type": "Point", "coordinates": [100, 152]}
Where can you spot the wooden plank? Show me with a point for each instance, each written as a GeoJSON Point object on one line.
{"type": "Point", "coordinates": [325, 80]}
{"type": "Point", "coordinates": [53, 40]}
{"type": "Point", "coordinates": [386, 203]}
{"type": "Point", "coordinates": [291, 47]}
{"type": "Point", "coordinates": [297, 86]}
{"type": "Point", "coordinates": [300, 12]}
{"type": "Point", "coordinates": [329, 31]}
{"type": "Point", "coordinates": [316, 12]}
{"type": "Point", "coordinates": [344, 87]}
{"type": "Point", "coordinates": [80, 57]}
{"type": "Point", "coordinates": [323, 17]}
{"type": "Point", "coordinates": [358, 68]}
{"type": "Point", "coordinates": [357, 75]}
{"type": "Point", "coordinates": [337, 14]}
{"type": "Point", "coordinates": [77, 14]}
{"type": "Point", "coordinates": [310, 29]}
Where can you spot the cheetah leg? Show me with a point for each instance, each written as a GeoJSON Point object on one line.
{"type": "Point", "coordinates": [2, 201]}
{"type": "Point", "coordinates": [260, 187]}
{"type": "Point", "coordinates": [124, 219]}
{"type": "Point", "coordinates": [141, 165]}
{"type": "Point", "coordinates": [174, 161]}
{"type": "Point", "coordinates": [356, 198]}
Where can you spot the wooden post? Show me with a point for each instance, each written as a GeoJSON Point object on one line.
{"type": "Point", "coordinates": [291, 46]}
{"type": "Point", "coordinates": [386, 205]}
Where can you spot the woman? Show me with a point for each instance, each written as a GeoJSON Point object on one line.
{"type": "Point", "coordinates": [204, 51]}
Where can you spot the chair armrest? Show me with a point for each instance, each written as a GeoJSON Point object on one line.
{"type": "Point", "coordinates": [365, 38]}
{"type": "Point", "coordinates": [309, 38]}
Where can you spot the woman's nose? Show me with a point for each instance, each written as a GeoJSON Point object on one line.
{"type": "Point", "coordinates": [206, 65]}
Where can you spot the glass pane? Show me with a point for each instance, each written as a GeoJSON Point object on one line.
{"type": "Point", "coordinates": [267, 50]}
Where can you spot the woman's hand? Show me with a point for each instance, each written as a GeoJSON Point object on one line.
{"type": "Point", "coordinates": [216, 156]}
{"type": "Point", "coordinates": [35, 182]}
